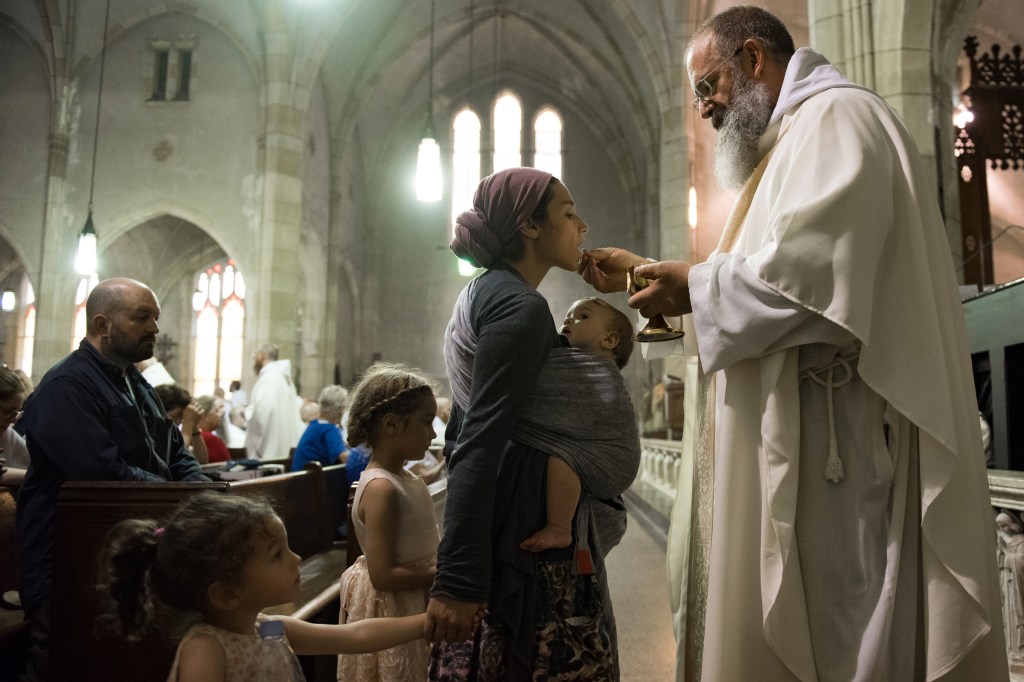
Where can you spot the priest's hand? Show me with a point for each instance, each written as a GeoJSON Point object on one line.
{"type": "Point", "coordinates": [450, 620]}
{"type": "Point", "coordinates": [605, 268]}
{"type": "Point", "coordinates": [668, 292]}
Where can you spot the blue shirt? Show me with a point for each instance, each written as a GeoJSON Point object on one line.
{"type": "Point", "coordinates": [322, 442]}
{"type": "Point", "coordinates": [358, 458]}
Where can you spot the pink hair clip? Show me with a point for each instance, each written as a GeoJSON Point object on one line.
{"type": "Point", "coordinates": [158, 532]}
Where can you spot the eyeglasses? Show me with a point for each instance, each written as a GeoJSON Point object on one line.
{"type": "Point", "coordinates": [11, 413]}
{"type": "Point", "coordinates": [704, 90]}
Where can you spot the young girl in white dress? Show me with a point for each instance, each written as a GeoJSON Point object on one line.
{"type": "Point", "coordinates": [392, 409]}
{"type": "Point", "coordinates": [223, 558]}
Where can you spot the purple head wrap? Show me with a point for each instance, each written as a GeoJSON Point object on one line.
{"type": "Point", "coordinates": [501, 204]}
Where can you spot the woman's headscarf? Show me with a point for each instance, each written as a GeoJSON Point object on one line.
{"type": "Point", "coordinates": [501, 204]}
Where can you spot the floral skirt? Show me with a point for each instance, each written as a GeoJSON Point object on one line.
{"type": "Point", "coordinates": [574, 641]}
{"type": "Point", "coordinates": [359, 601]}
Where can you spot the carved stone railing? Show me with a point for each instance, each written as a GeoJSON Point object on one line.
{"type": "Point", "coordinates": [660, 461]}
{"type": "Point", "coordinates": [1006, 489]}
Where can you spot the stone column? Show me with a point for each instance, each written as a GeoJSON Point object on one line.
{"type": "Point", "coordinates": [274, 284]}
{"type": "Point", "coordinates": [54, 281]}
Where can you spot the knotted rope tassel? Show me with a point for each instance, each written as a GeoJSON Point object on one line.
{"type": "Point", "coordinates": [834, 471]}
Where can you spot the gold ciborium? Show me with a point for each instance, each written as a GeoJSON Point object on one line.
{"type": "Point", "coordinates": [656, 329]}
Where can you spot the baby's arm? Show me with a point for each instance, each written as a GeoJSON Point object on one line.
{"type": "Point", "coordinates": [361, 637]}
{"type": "Point", "coordinates": [201, 659]}
{"type": "Point", "coordinates": [379, 508]}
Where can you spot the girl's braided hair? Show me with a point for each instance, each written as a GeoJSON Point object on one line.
{"type": "Point", "coordinates": [148, 567]}
{"type": "Point", "coordinates": [385, 388]}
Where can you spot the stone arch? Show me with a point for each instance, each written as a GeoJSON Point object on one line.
{"type": "Point", "coordinates": [147, 14]}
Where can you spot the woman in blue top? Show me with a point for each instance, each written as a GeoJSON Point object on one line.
{"type": "Point", "coordinates": [540, 618]}
{"type": "Point", "coordinates": [323, 440]}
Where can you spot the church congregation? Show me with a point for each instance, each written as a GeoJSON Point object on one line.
{"type": "Point", "coordinates": [282, 399]}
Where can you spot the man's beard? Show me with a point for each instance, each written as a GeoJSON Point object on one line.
{"type": "Point", "coordinates": [744, 121]}
{"type": "Point", "coordinates": [136, 351]}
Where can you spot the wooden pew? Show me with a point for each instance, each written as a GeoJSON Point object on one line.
{"type": "Point", "coordinates": [86, 511]}
{"type": "Point", "coordinates": [13, 630]}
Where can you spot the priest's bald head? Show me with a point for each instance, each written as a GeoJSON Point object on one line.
{"type": "Point", "coordinates": [122, 320]}
{"type": "Point", "coordinates": [737, 61]}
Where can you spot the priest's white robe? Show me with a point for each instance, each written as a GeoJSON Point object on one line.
{"type": "Point", "coordinates": [273, 425]}
{"type": "Point", "coordinates": [832, 324]}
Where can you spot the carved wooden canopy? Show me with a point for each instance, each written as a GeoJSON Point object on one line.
{"type": "Point", "coordinates": [995, 97]}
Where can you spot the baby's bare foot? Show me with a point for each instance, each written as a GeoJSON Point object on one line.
{"type": "Point", "coordinates": [548, 537]}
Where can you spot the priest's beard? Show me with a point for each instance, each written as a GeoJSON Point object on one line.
{"type": "Point", "coordinates": [743, 123]}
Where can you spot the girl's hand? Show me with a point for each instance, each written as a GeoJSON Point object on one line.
{"type": "Point", "coordinates": [361, 637]}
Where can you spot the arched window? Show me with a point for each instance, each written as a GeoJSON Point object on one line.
{"type": "Point", "coordinates": [547, 142]}
{"type": "Point", "coordinates": [219, 305]}
{"type": "Point", "coordinates": [25, 344]}
{"type": "Point", "coordinates": [465, 160]}
{"type": "Point", "coordinates": [85, 286]}
{"type": "Point", "coordinates": [508, 132]}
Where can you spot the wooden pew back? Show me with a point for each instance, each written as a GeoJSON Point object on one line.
{"type": "Point", "coordinates": [8, 575]}
{"type": "Point", "coordinates": [87, 511]}
{"type": "Point", "coordinates": [12, 621]}
{"type": "Point", "coordinates": [298, 498]}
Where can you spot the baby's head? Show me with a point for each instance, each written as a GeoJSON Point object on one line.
{"type": "Point", "coordinates": [188, 562]}
{"type": "Point", "coordinates": [387, 389]}
{"type": "Point", "coordinates": [596, 326]}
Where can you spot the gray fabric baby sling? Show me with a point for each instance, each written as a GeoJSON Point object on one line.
{"type": "Point", "coordinates": [579, 411]}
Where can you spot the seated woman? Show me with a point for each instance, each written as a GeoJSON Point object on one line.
{"type": "Point", "coordinates": [323, 440]}
{"type": "Point", "coordinates": [185, 414]}
{"type": "Point", "coordinates": [13, 453]}
{"type": "Point", "coordinates": [209, 424]}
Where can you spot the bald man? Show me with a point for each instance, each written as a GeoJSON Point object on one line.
{"type": "Point", "coordinates": [92, 418]}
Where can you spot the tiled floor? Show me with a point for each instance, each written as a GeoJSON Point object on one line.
{"type": "Point", "coordinates": [636, 577]}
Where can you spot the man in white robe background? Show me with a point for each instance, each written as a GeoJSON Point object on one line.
{"type": "Point", "coordinates": [851, 531]}
{"type": "Point", "coordinates": [272, 422]}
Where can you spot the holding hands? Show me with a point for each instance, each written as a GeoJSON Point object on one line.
{"type": "Point", "coordinates": [449, 620]}
{"type": "Point", "coordinates": [667, 294]}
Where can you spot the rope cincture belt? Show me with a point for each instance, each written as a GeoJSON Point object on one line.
{"type": "Point", "coordinates": [824, 376]}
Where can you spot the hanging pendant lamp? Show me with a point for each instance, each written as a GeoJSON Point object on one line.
{"type": "Point", "coordinates": [428, 161]}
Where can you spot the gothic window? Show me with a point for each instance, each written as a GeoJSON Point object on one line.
{"type": "Point", "coordinates": [26, 339]}
{"type": "Point", "coordinates": [507, 127]}
{"type": "Point", "coordinates": [465, 160]}
{"type": "Point", "coordinates": [184, 74]}
{"type": "Point", "coordinates": [508, 131]}
{"type": "Point", "coordinates": [161, 58]}
{"type": "Point", "coordinates": [170, 70]}
{"type": "Point", "coordinates": [547, 142]}
{"type": "Point", "coordinates": [85, 285]}
{"type": "Point", "coordinates": [219, 305]}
